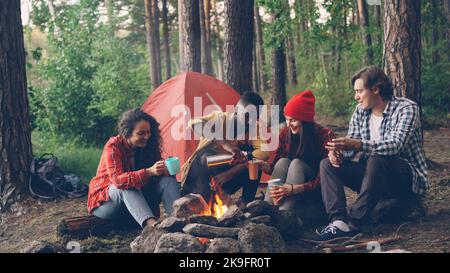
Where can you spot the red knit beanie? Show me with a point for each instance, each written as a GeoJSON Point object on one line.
{"type": "Point", "coordinates": [301, 106]}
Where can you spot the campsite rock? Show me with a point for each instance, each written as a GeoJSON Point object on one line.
{"type": "Point", "coordinates": [259, 238]}
{"type": "Point", "coordinates": [264, 219]}
{"type": "Point", "coordinates": [223, 245]}
{"type": "Point", "coordinates": [189, 205]}
{"type": "Point", "coordinates": [146, 242]}
{"type": "Point", "coordinates": [258, 208]}
{"type": "Point", "coordinates": [231, 217]}
{"type": "Point", "coordinates": [172, 224]}
{"type": "Point", "coordinates": [39, 247]}
{"type": "Point", "coordinates": [205, 231]}
{"type": "Point", "coordinates": [288, 224]}
{"type": "Point", "coordinates": [178, 243]}
{"type": "Point", "coordinates": [203, 219]}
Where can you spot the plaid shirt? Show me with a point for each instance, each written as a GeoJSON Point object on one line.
{"type": "Point", "coordinates": [116, 165]}
{"type": "Point", "coordinates": [323, 134]}
{"type": "Point", "coordinates": [400, 135]}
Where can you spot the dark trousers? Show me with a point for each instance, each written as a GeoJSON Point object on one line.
{"type": "Point", "coordinates": [199, 177]}
{"type": "Point", "coordinates": [378, 177]}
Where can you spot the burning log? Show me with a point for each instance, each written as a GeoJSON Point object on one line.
{"type": "Point", "coordinates": [83, 226]}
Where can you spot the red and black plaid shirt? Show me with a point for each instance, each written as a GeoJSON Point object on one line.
{"type": "Point", "coordinates": [323, 134]}
{"type": "Point", "coordinates": [116, 165]}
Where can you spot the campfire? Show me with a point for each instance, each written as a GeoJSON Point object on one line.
{"type": "Point", "coordinates": [216, 206]}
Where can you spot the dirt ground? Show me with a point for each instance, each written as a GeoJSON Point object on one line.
{"type": "Point", "coordinates": [34, 220]}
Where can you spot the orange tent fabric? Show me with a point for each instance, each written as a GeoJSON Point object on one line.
{"type": "Point", "coordinates": [181, 90]}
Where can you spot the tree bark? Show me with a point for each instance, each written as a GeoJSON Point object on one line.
{"type": "Point", "coordinates": [292, 68]}
{"type": "Point", "coordinates": [180, 35]}
{"type": "Point", "coordinates": [206, 59]}
{"type": "Point", "coordinates": [279, 79]}
{"type": "Point", "coordinates": [255, 78]}
{"type": "Point", "coordinates": [260, 57]}
{"type": "Point", "coordinates": [166, 46]}
{"type": "Point", "coordinates": [364, 23]}
{"type": "Point", "coordinates": [238, 44]}
{"type": "Point", "coordinates": [401, 56]}
{"type": "Point", "coordinates": [435, 56]}
{"type": "Point", "coordinates": [218, 41]}
{"type": "Point", "coordinates": [378, 20]}
{"type": "Point", "coordinates": [446, 10]}
{"type": "Point", "coordinates": [155, 10]}
{"type": "Point", "coordinates": [15, 131]}
{"type": "Point", "coordinates": [190, 43]}
{"type": "Point", "coordinates": [150, 36]}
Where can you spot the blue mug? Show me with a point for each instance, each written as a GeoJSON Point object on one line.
{"type": "Point", "coordinates": [173, 165]}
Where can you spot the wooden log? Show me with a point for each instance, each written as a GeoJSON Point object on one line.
{"type": "Point", "coordinates": [84, 226]}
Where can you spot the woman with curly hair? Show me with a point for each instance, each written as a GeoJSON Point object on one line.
{"type": "Point", "coordinates": [132, 178]}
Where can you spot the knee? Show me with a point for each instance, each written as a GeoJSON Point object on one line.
{"type": "Point", "coordinates": [282, 163]}
{"type": "Point", "coordinates": [325, 164]}
{"type": "Point", "coordinates": [298, 164]}
{"type": "Point", "coordinates": [376, 164]}
{"type": "Point", "coordinates": [169, 182]}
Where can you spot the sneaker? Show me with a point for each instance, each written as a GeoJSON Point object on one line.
{"type": "Point", "coordinates": [331, 232]}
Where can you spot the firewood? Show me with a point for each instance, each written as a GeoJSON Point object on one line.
{"type": "Point", "coordinates": [361, 245]}
{"type": "Point", "coordinates": [83, 226]}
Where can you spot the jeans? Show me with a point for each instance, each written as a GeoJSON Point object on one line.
{"type": "Point", "coordinates": [378, 177]}
{"type": "Point", "coordinates": [294, 172]}
{"type": "Point", "coordinates": [140, 204]}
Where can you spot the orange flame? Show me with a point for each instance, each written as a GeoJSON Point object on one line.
{"type": "Point", "coordinates": [216, 206]}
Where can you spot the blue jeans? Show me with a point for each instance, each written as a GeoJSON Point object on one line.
{"type": "Point", "coordinates": [140, 204]}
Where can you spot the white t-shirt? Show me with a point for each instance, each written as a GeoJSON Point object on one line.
{"type": "Point", "coordinates": [374, 126]}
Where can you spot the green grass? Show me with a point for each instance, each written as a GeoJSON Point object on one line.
{"type": "Point", "coordinates": [73, 158]}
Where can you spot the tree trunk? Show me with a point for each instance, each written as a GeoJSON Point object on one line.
{"type": "Point", "coordinates": [378, 20]}
{"type": "Point", "coordinates": [435, 57]}
{"type": "Point", "coordinates": [218, 41]}
{"type": "Point", "coordinates": [255, 80]}
{"type": "Point", "coordinates": [401, 56]}
{"type": "Point", "coordinates": [150, 36]}
{"type": "Point", "coordinates": [279, 79]}
{"type": "Point", "coordinates": [165, 21]}
{"type": "Point", "coordinates": [15, 131]}
{"type": "Point", "coordinates": [260, 57]}
{"type": "Point", "coordinates": [205, 41]}
{"type": "Point", "coordinates": [188, 14]}
{"type": "Point", "coordinates": [292, 68]}
{"type": "Point", "coordinates": [238, 44]}
{"type": "Point", "coordinates": [364, 23]}
{"type": "Point", "coordinates": [180, 35]}
{"type": "Point", "coordinates": [446, 10]}
{"type": "Point", "coordinates": [157, 40]}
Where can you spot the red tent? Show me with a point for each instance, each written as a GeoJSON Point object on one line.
{"type": "Point", "coordinates": [181, 91]}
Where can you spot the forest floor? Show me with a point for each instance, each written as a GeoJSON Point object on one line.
{"type": "Point", "coordinates": [34, 220]}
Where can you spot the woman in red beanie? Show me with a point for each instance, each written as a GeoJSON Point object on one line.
{"type": "Point", "coordinates": [301, 148]}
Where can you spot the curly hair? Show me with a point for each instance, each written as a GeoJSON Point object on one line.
{"type": "Point", "coordinates": [147, 156]}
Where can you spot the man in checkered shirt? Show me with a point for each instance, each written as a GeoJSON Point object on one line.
{"type": "Point", "coordinates": [386, 131]}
